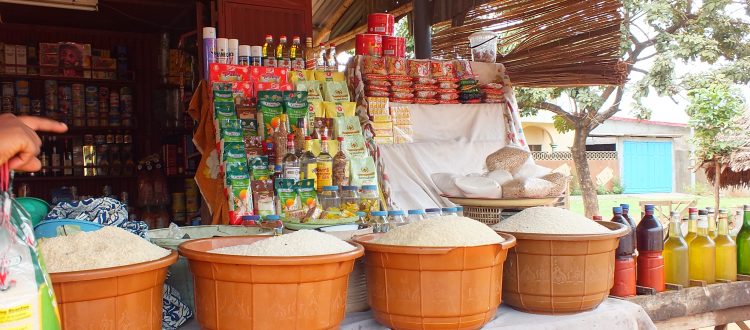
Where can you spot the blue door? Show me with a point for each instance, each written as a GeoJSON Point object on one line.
{"type": "Point", "coordinates": [647, 167]}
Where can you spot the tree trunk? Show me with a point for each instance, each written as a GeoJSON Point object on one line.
{"type": "Point", "coordinates": [717, 188]}
{"type": "Point", "coordinates": [588, 189]}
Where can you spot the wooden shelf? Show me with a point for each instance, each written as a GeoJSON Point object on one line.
{"type": "Point", "coordinates": [72, 178]}
{"type": "Point", "coordinates": [111, 82]}
{"type": "Point", "coordinates": [79, 131]}
{"type": "Point", "coordinates": [181, 176]}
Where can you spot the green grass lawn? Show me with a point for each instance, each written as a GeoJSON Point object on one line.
{"type": "Point", "coordinates": [606, 202]}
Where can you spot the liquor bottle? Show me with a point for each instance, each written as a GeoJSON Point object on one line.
{"type": "Point", "coordinates": [322, 62]}
{"type": "Point", "coordinates": [269, 151]}
{"type": "Point", "coordinates": [78, 159]}
{"type": "Point", "coordinates": [650, 237]}
{"type": "Point", "coordinates": [743, 244]}
{"type": "Point", "coordinates": [299, 136]}
{"type": "Point", "coordinates": [625, 273]}
{"type": "Point", "coordinates": [282, 54]}
{"type": "Point", "coordinates": [55, 159]}
{"type": "Point", "coordinates": [308, 163]}
{"type": "Point", "coordinates": [89, 156]}
{"type": "Point", "coordinates": [102, 156]}
{"type": "Point", "coordinates": [309, 54]}
{"type": "Point", "coordinates": [340, 166]}
{"type": "Point", "coordinates": [692, 224]}
{"type": "Point", "coordinates": [702, 252]}
{"type": "Point", "coordinates": [68, 159]}
{"type": "Point", "coordinates": [711, 223]}
{"type": "Point", "coordinates": [726, 250]}
{"type": "Point", "coordinates": [45, 159]}
{"type": "Point", "coordinates": [631, 222]}
{"type": "Point", "coordinates": [676, 254]}
{"type": "Point", "coordinates": [332, 64]}
{"type": "Point", "coordinates": [128, 167]}
{"type": "Point", "coordinates": [297, 54]}
{"type": "Point", "coordinates": [268, 54]}
{"type": "Point", "coordinates": [291, 163]}
{"type": "Point", "coordinates": [325, 166]}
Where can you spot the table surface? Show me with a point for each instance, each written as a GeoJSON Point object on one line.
{"type": "Point", "coordinates": [612, 314]}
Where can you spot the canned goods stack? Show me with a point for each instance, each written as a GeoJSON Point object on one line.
{"type": "Point", "coordinates": [103, 100]}
{"type": "Point", "coordinates": [379, 39]}
{"type": "Point", "coordinates": [92, 106]}
{"type": "Point", "coordinates": [178, 208]}
{"type": "Point", "coordinates": [126, 106]}
{"type": "Point", "coordinates": [78, 105]}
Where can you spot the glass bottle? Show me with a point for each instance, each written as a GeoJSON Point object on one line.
{"type": "Point", "coordinates": [743, 243]}
{"type": "Point", "coordinates": [332, 64]}
{"type": "Point", "coordinates": [309, 54]}
{"type": "Point", "coordinates": [676, 254]}
{"type": "Point", "coordinates": [297, 54]}
{"type": "Point", "coordinates": [379, 220]}
{"type": "Point", "coordinates": [692, 224]}
{"type": "Point", "coordinates": [291, 163]}
{"type": "Point", "coordinates": [368, 199]}
{"type": "Point", "coordinates": [415, 216]}
{"type": "Point", "coordinates": [650, 236]}
{"type": "Point", "coordinates": [625, 247]}
{"type": "Point", "coordinates": [322, 62]}
{"type": "Point", "coordinates": [631, 221]}
{"type": "Point", "coordinates": [711, 223]}
{"type": "Point", "coordinates": [702, 252]}
{"type": "Point", "coordinates": [350, 198]}
{"type": "Point", "coordinates": [68, 160]}
{"type": "Point", "coordinates": [268, 54]}
{"type": "Point", "coordinates": [89, 156]}
{"type": "Point", "coordinates": [325, 165]}
{"type": "Point", "coordinates": [299, 136]}
{"type": "Point", "coordinates": [282, 59]}
{"type": "Point", "coordinates": [362, 219]}
{"type": "Point", "coordinates": [308, 163]}
{"type": "Point", "coordinates": [340, 166]}
{"type": "Point", "coordinates": [432, 213]}
{"type": "Point", "coordinates": [726, 250]}
{"type": "Point", "coordinates": [396, 218]}
{"type": "Point", "coordinates": [449, 211]}
{"type": "Point", "coordinates": [329, 198]}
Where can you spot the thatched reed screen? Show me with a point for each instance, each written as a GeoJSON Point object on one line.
{"type": "Point", "coordinates": [545, 42]}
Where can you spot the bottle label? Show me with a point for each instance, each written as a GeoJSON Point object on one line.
{"type": "Point", "coordinates": [270, 62]}
{"type": "Point", "coordinates": [292, 173]}
{"type": "Point", "coordinates": [298, 64]}
{"type": "Point", "coordinates": [324, 173]}
{"type": "Point", "coordinates": [310, 172]}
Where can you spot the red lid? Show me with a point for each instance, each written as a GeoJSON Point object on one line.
{"type": "Point", "coordinates": [308, 138]}
{"type": "Point", "coordinates": [269, 36]}
{"type": "Point", "coordinates": [693, 210]}
{"type": "Point", "coordinates": [340, 139]}
{"type": "Point", "coordinates": [597, 217]}
{"type": "Point", "coordinates": [322, 44]}
{"type": "Point", "coordinates": [323, 138]}
{"type": "Point", "coordinates": [282, 37]}
{"type": "Point", "coordinates": [332, 45]}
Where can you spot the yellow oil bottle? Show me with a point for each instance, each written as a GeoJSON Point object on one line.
{"type": "Point", "coordinates": [702, 252]}
{"type": "Point", "coordinates": [692, 224]}
{"type": "Point", "coordinates": [726, 250]}
{"type": "Point", "coordinates": [712, 232]}
{"type": "Point", "coordinates": [676, 254]}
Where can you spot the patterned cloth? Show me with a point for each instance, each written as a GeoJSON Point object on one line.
{"type": "Point", "coordinates": [111, 212]}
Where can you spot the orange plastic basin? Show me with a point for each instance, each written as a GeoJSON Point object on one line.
{"type": "Point", "coordinates": [244, 292]}
{"type": "Point", "coordinates": [558, 274]}
{"type": "Point", "coordinates": [125, 297]}
{"type": "Point", "coordinates": [434, 287]}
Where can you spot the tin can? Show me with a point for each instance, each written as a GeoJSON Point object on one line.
{"type": "Point", "coordinates": [394, 46]}
{"type": "Point", "coordinates": [22, 87]}
{"type": "Point", "coordinates": [178, 202]}
{"type": "Point", "coordinates": [114, 101]}
{"type": "Point", "coordinates": [50, 96]}
{"type": "Point", "coordinates": [380, 23]}
{"type": "Point", "coordinates": [79, 122]}
{"type": "Point", "coordinates": [369, 44]}
{"type": "Point", "coordinates": [23, 105]}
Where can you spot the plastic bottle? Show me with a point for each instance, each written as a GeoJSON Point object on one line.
{"type": "Point", "coordinates": [415, 216]}
{"type": "Point", "coordinates": [726, 250]}
{"type": "Point", "coordinates": [269, 58]}
{"type": "Point", "coordinates": [676, 254]}
{"type": "Point", "coordinates": [743, 244]}
{"type": "Point", "coordinates": [350, 198]}
{"type": "Point", "coordinates": [625, 273]}
{"type": "Point", "coordinates": [702, 252]}
{"type": "Point", "coordinates": [692, 224]}
{"type": "Point", "coordinates": [396, 218]}
{"type": "Point", "coordinates": [650, 234]}
{"type": "Point", "coordinates": [625, 247]}
{"type": "Point", "coordinates": [432, 213]}
{"type": "Point", "coordinates": [449, 211]}
{"type": "Point", "coordinates": [460, 211]}
{"type": "Point", "coordinates": [379, 220]}
{"type": "Point", "coordinates": [631, 221]}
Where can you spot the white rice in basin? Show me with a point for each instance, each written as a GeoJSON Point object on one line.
{"type": "Point", "coordinates": [445, 231]}
{"type": "Point", "coordinates": [299, 243]}
{"type": "Point", "coordinates": [550, 220]}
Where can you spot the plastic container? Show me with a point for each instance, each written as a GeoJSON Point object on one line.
{"type": "Point", "coordinates": [415, 216]}
{"type": "Point", "coordinates": [394, 46]}
{"type": "Point", "coordinates": [329, 198]}
{"type": "Point", "coordinates": [452, 211]}
{"type": "Point", "coordinates": [397, 218]}
{"type": "Point", "coordinates": [52, 228]}
{"type": "Point", "coordinates": [432, 213]}
{"type": "Point", "coordinates": [369, 44]}
{"type": "Point", "coordinates": [37, 208]}
{"type": "Point", "coordinates": [267, 292]}
{"type": "Point", "coordinates": [379, 221]}
{"type": "Point", "coordinates": [368, 199]}
{"type": "Point", "coordinates": [555, 274]}
{"type": "Point", "coordinates": [434, 287]}
{"type": "Point", "coordinates": [483, 46]}
{"type": "Point", "coordinates": [380, 23]}
{"type": "Point", "coordinates": [625, 274]}
{"type": "Point", "coordinates": [114, 298]}
{"type": "Point", "coordinates": [350, 198]}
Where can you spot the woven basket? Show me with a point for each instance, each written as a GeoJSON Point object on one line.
{"type": "Point", "coordinates": [488, 215]}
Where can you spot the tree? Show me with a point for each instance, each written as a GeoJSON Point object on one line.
{"type": "Point", "coordinates": [714, 109]}
{"type": "Point", "coordinates": [656, 34]}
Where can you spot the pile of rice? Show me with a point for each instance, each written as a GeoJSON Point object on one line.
{"type": "Point", "coordinates": [549, 220]}
{"type": "Point", "coordinates": [445, 231]}
{"type": "Point", "coordinates": [299, 243]}
{"type": "Point", "coordinates": [103, 248]}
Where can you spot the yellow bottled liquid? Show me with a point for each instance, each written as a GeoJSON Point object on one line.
{"type": "Point", "coordinates": [676, 254]}
{"type": "Point", "coordinates": [726, 251]}
{"type": "Point", "coordinates": [702, 253]}
{"type": "Point", "coordinates": [692, 225]}
{"type": "Point", "coordinates": [711, 224]}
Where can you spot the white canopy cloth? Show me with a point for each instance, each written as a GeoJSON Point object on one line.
{"type": "Point", "coordinates": [612, 314]}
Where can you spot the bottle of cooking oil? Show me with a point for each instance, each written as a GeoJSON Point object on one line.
{"type": "Point", "coordinates": [743, 244]}
{"type": "Point", "coordinates": [711, 223]}
{"type": "Point", "coordinates": [702, 252]}
{"type": "Point", "coordinates": [676, 254]}
{"type": "Point", "coordinates": [726, 250]}
{"type": "Point", "coordinates": [692, 224]}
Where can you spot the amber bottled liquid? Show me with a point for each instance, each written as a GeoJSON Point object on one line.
{"type": "Point", "coordinates": [649, 235]}
{"type": "Point", "coordinates": [631, 222]}
{"type": "Point", "coordinates": [702, 252]}
{"type": "Point", "coordinates": [676, 254]}
{"type": "Point", "coordinates": [692, 224]}
{"type": "Point", "coordinates": [726, 250]}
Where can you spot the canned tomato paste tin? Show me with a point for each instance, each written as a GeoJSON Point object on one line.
{"type": "Point", "coordinates": [369, 44]}
{"type": "Point", "coordinates": [380, 23]}
{"type": "Point", "coordinates": [394, 46]}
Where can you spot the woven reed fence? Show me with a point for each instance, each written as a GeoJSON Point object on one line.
{"type": "Point", "coordinates": [544, 43]}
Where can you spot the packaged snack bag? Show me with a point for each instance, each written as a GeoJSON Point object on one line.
{"type": "Point", "coordinates": [339, 109]}
{"type": "Point", "coordinates": [347, 126]}
{"type": "Point", "coordinates": [240, 200]}
{"type": "Point", "coordinates": [363, 171]}
{"type": "Point", "coordinates": [329, 76]}
{"type": "Point", "coordinates": [259, 167]}
{"type": "Point", "coordinates": [233, 152]}
{"type": "Point", "coordinates": [395, 66]}
{"type": "Point", "coordinates": [313, 89]}
{"type": "Point", "coordinates": [271, 107]}
{"type": "Point", "coordinates": [335, 91]}
{"type": "Point", "coordinates": [296, 108]}
{"type": "Point", "coordinates": [420, 68]}
{"type": "Point", "coordinates": [307, 194]}
{"type": "Point", "coordinates": [263, 197]}
{"type": "Point", "coordinates": [374, 65]}
{"type": "Point", "coordinates": [287, 195]}
{"type": "Point", "coordinates": [354, 147]}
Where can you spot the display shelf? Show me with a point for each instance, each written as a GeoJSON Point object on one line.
{"type": "Point", "coordinates": [78, 131]}
{"type": "Point", "coordinates": [181, 176]}
{"type": "Point", "coordinates": [111, 82]}
{"type": "Point", "coordinates": [71, 178]}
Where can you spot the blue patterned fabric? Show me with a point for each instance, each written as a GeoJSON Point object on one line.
{"type": "Point", "coordinates": [110, 212]}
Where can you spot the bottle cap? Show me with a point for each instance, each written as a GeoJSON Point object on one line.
{"type": "Point", "coordinates": [250, 217]}
{"type": "Point", "coordinates": [459, 208]}
{"type": "Point", "coordinates": [330, 188]}
{"type": "Point", "coordinates": [674, 214]}
{"type": "Point", "coordinates": [308, 138]}
{"type": "Point", "coordinates": [361, 214]}
{"type": "Point", "coordinates": [244, 50]}
{"type": "Point", "coordinates": [282, 37]}
{"type": "Point", "coordinates": [272, 217]}
{"type": "Point", "coordinates": [625, 206]}
{"type": "Point", "coordinates": [416, 211]}
{"type": "Point", "coordinates": [723, 211]}
{"type": "Point", "coordinates": [234, 43]}
{"type": "Point", "coordinates": [295, 38]}
{"type": "Point", "coordinates": [256, 51]}
{"type": "Point", "coordinates": [432, 210]}
{"type": "Point", "coordinates": [396, 212]}
{"type": "Point", "coordinates": [702, 212]}
{"type": "Point", "coordinates": [349, 188]}
{"type": "Point", "coordinates": [268, 36]}
{"type": "Point", "coordinates": [649, 207]}
{"type": "Point", "coordinates": [617, 210]}
{"type": "Point", "coordinates": [370, 187]}
{"type": "Point", "coordinates": [379, 213]}
{"type": "Point", "coordinates": [340, 139]}
{"type": "Point", "coordinates": [209, 33]}
{"type": "Point", "coordinates": [693, 210]}
{"type": "Point", "coordinates": [222, 43]}
{"type": "Point", "coordinates": [596, 218]}
{"type": "Point", "coordinates": [331, 45]}
{"type": "Point", "coordinates": [449, 210]}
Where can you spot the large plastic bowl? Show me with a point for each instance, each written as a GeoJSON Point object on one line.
{"type": "Point", "coordinates": [246, 292]}
{"type": "Point", "coordinates": [559, 274]}
{"type": "Point", "coordinates": [434, 287]}
{"type": "Point", "coordinates": [125, 297]}
{"type": "Point", "coordinates": [37, 208]}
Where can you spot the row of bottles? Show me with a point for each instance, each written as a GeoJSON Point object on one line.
{"type": "Point", "coordinates": [91, 155]}
{"type": "Point", "coordinates": [293, 56]}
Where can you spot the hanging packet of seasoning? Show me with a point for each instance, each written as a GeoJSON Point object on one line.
{"type": "Point", "coordinates": [308, 197]}
{"type": "Point", "coordinates": [363, 171]}
{"type": "Point", "coordinates": [354, 146]}
{"type": "Point", "coordinates": [263, 197]}
{"type": "Point", "coordinates": [296, 108]}
{"type": "Point", "coordinates": [235, 170]}
{"type": "Point", "coordinates": [259, 167]}
{"type": "Point", "coordinates": [233, 152]}
{"type": "Point", "coordinates": [323, 76]}
{"type": "Point", "coordinates": [224, 105]}
{"type": "Point", "coordinates": [313, 89]}
{"type": "Point", "coordinates": [230, 130]}
{"type": "Point", "coordinates": [241, 198]}
{"type": "Point", "coordinates": [339, 109]}
{"type": "Point", "coordinates": [335, 91]}
{"type": "Point", "coordinates": [271, 107]}
{"type": "Point", "coordinates": [347, 126]}
{"type": "Point", "coordinates": [288, 200]}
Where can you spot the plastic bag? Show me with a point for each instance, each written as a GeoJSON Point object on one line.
{"type": "Point", "coordinates": [27, 300]}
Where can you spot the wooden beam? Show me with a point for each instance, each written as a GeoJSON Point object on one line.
{"type": "Point", "coordinates": [720, 317]}
{"type": "Point", "coordinates": [325, 30]}
{"type": "Point", "coordinates": [400, 11]}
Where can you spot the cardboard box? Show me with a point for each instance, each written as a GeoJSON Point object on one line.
{"type": "Point", "coordinates": [383, 139]}
{"type": "Point", "coordinates": [10, 59]}
{"type": "Point", "coordinates": [382, 126]}
{"type": "Point", "coordinates": [382, 118]}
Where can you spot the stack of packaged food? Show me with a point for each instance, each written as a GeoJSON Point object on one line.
{"type": "Point", "coordinates": [425, 85]}
{"type": "Point", "coordinates": [493, 93]}
{"type": "Point", "coordinates": [445, 74]}
{"type": "Point", "coordinates": [382, 121]}
{"type": "Point", "coordinates": [469, 91]}
{"type": "Point", "coordinates": [402, 130]}
{"type": "Point", "coordinates": [402, 86]}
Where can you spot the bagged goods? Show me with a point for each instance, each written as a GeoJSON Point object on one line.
{"type": "Point", "coordinates": [444, 183]}
{"type": "Point", "coordinates": [509, 158]}
{"type": "Point", "coordinates": [531, 170]}
{"type": "Point", "coordinates": [446, 231]}
{"type": "Point", "coordinates": [478, 187]}
{"type": "Point", "coordinates": [396, 66]}
{"type": "Point", "coordinates": [527, 188]}
{"type": "Point", "coordinates": [103, 248]}
{"type": "Point", "coordinates": [559, 183]}
{"type": "Point", "coordinates": [500, 176]}
{"type": "Point", "coordinates": [549, 220]}
{"type": "Point", "coordinates": [299, 243]}
{"type": "Point", "coordinates": [374, 65]}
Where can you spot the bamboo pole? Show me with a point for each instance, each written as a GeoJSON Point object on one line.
{"type": "Point", "coordinates": [325, 30]}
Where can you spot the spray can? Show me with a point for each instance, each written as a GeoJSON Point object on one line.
{"type": "Point", "coordinates": [209, 49]}
{"type": "Point", "coordinates": [233, 51]}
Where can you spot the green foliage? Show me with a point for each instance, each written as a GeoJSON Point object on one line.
{"type": "Point", "coordinates": [713, 111]}
{"type": "Point", "coordinates": [602, 190]}
{"type": "Point", "coordinates": [402, 30]}
{"type": "Point", "coordinates": [562, 125]}
{"type": "Point", "coordinates": [617, 187]}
